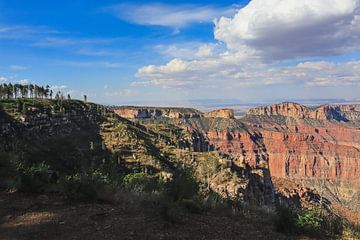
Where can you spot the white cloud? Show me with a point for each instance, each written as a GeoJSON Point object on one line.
{"type": "Point", "coordinates": [183, 50]}
{"type": "Point", "coordinates": [262, 34]}
{"type": "Point", "coordinates": [278, 29]}
{"type": "Point", "coordinates": [18, 67]}
{"type": "Point", "coordinates": [224, 72]}
{"type": "Point", "coordinates": [121, 93]}
{"type": "Point", "coordinates": [24, 81]}
{"type": "Point", "coordinates": [206, 50]}
{"type": "Point", "coordinates": [58, 88]}
{"type": "Point", "coordinates": [3, 79]}
{"type": "Point", "coordinates": [45, 37]}
{"type": "Point", "coordinates": [86, 64]}
{"type": "Point", "coordinates": [175, 16]}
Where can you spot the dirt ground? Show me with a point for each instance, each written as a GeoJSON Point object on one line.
{"type": "Point", "coordinates": [24, 217]}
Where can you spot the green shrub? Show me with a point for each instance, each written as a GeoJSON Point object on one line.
{"type": "Point", "coordinates": [182, 186]}
{"type": "Point", "coordinates": [33, 179]}
{"type": "Point", "coordinates": [84, 186]}
{"type": "Point", "coordinates": [309, 221]}
{"type": "Point", "coordinates": [179, 197]}
{"type": "Point", "coordinates": [140, 182]}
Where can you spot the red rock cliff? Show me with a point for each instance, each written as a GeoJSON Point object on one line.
{"type": "Point", "coordinates": [296, 143]}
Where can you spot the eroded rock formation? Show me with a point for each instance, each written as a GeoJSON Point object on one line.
{"type": "Point", "coordinates": [221, 113]}
{"type": "Point", "coordinates": [152, 112]}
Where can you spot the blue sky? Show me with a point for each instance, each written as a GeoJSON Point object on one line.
{"type": "Point", "coordinates": [170, 52]}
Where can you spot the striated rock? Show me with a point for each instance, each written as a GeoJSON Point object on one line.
{"type": "Point", "coordinates": [221, 113]}
{"type": "Point", "coordinates": [293, 142]}
{"type": "Point", "coordinates": [153, 112]}
{"type": "Point", "coordinates": [297, 111]}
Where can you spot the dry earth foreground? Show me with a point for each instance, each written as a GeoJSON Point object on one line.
{"type": "Point", "coordinates": [76, 170]}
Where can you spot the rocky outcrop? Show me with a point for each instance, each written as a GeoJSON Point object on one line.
{"type": "Point", "coordinates": [221, 113]}
{"type": "Point", "coordinates": [153, 112]}
{"type": "Point", "coordinates": [297, 111]}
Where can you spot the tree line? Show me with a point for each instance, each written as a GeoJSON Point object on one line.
{"type": "Point", "coordinates": [13, 91]}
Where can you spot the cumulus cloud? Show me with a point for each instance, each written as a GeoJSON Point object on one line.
{"type": "Point", "coordinates": [225, 72]}
{"type": "Point", "coordinates": [206, 50]}
{"type": "Point", "coordinates": [3, 79]}
{"type": "Point", "coordinates": [175, 16]}
{"type": "Point", "coordinates": [263, 34]}
{"type": "Point", "coordinates": [278, 29]}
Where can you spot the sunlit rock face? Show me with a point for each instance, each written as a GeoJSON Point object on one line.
{"type": "Point", "coordinates": [221, 113]}
{"type": "Point", "coordinates": [310, 143]}
{"type": "Point", "coordinates": [153, 112]}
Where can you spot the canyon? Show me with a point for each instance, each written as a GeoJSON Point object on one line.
{"type": "Point", "coordinates": [318, 148]}
{"type": "Point", "coordinates": [279, 155]}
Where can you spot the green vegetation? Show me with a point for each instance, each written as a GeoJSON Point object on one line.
{"type": "Point", "coordinates": [313, 222]}
{"type": "Point", "coordinates": [13, 91]}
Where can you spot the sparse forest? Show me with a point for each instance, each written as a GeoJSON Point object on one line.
{"type": "Point", "coordinates": [14, 91]}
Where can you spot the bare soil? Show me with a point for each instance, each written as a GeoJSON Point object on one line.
{"type": "Point", "coordinates": [43, 217]}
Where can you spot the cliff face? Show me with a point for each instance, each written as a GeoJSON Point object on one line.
{"type": "Point", "coordinates": [288, 141]}
{"type": "Point", "coordinates": [293, 142]}
{"type": "Point", "coordinates": [221, 113]}
{"type": "Point", "coordinates": [154, 112]}
{"type": "Point", "coordinates": [151, 112]}
{"type": "Point", "coordinates": [294, 110]}
{"type": "Point", "coordinates": [312, 146]}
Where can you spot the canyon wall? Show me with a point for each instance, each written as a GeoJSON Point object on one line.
{"type": "Point", "coordinates": [318, 147]}
{"type": "Point", "coordinates": [153, 112]}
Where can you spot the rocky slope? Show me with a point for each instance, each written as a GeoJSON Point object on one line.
{"type": "Point", "coordinates": [74, 136]}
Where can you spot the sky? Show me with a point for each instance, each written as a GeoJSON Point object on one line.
{"type": "Point", "coordinates": [174, 52]}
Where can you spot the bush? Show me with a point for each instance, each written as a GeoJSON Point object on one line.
{"type": "Point", "coordinates": [33, 179]}
{"type": "Point", "coordinates": [182, 186]}
{"type": "Point", "coordinates": [140, 182]}
{"type": "Point", "coordinates": [84, 186]}
{"type": "Point", "coordinates": [180, 196]}
{"type": "Point", "coordinates": [309, 221]}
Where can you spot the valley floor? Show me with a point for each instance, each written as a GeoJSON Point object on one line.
{"type": "Point", "coordinates": [24, 217]}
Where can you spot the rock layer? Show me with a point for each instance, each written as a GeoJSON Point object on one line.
{"type": "Point", "coordinates": [325, 112]}
{"type": "Point", "coordinates": [152, 112]}
{"type": "Point", "coordinates": [221, 113]}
